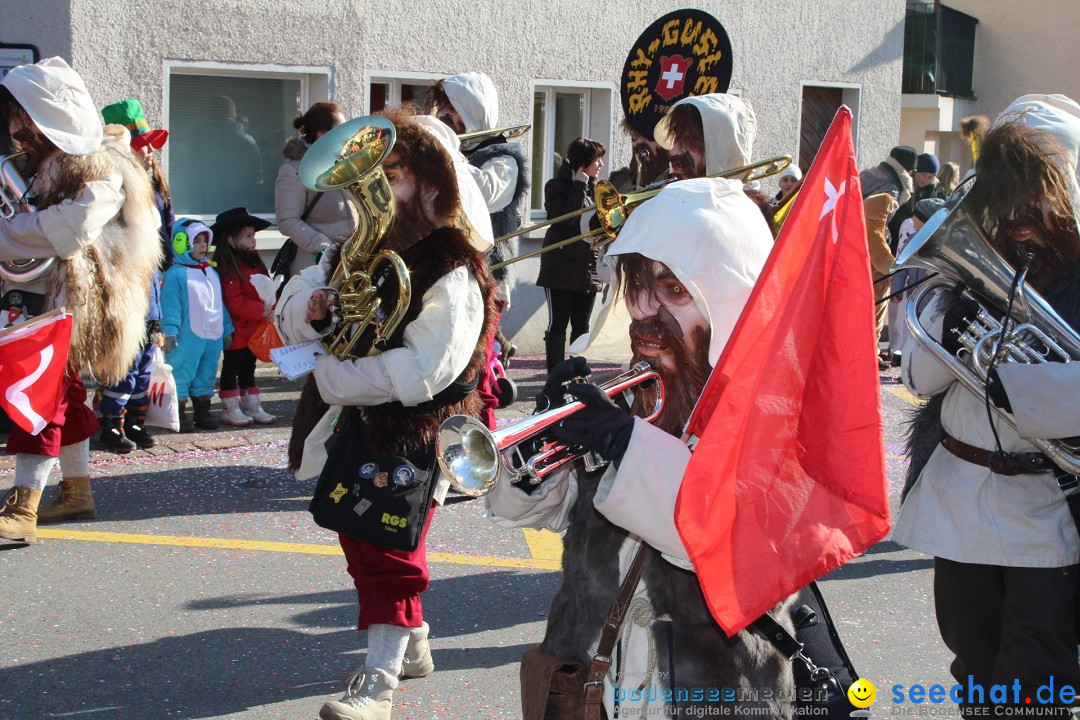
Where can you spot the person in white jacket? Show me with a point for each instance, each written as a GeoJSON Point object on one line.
{"type": "Point", "coordinates": [985, 502]}
{"type": "Point", "coordinates": [686, 263]}
{"type": "Point", "coordinates": [397, 398]}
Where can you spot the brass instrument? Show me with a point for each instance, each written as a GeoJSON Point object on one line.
{"type": "Point", "coordinates": [350, 158]}
{"type": "Point", "coordinates": [954, 244]}
{"type": "Point", "coordinates": [13, 191]}
{"type": "Point", "coordinates": [512, 132]}
{"type": "Point", "coordinates": [473, 457]}
{"type": "Point", "coordinates": [612, 208]}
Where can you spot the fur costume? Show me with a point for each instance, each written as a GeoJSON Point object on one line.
{"type": "Point", "coordinates": [701, 655]}
{"type": "Point", "coordinates": [393, 426]}
{"type": "Point", "coordinates": [106, 285]}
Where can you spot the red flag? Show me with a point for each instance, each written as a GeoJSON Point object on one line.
{"type": "Point", "coordinates": [787, 481]}
{"type": "Point", "coordinates": [33, 357]}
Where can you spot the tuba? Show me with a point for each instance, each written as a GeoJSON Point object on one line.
{"type": "Point", "coordinates": [13, 191]}
{"type": "Point", "coordinates": [473, 457]}
{"type": "Point", "coordinates": [954, 244]}
{"type": "Point", "coordinates": [370, 287]}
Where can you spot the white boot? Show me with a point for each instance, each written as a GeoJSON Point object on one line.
{"type": "Point", "coordinates": [418, 662]}
{"type": "Point", "coordinates": [232, 414]}
{"type": "Point", "coordinates": [369, 696]}
{"type": "Point", "coordinates": [249, 403]}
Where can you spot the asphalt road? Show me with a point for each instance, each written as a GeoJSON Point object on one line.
{"type": "Point", "coordinates": [203, 590]}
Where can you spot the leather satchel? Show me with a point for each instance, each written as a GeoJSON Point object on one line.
{"type": "Point", "coordinates": [555, 689]}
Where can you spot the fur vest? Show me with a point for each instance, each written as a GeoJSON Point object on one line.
{"type": "Point", "coordinates": [403, 429]}
{"type": "Point", "coordinates": [508, 219]}
{"type": "Point", "coordinates": [924, 423]}
{"type": "Point", "coordinates": [701, 655]}
{"type": "Point", "coordinates": [392, 426]}
{"type": "Point", "coordinates": [106, 285]}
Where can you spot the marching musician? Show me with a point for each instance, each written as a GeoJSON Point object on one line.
{"type": "Point", "coordinates": [686, 263]}
{"type": "Point", "coordinates": [707, 134]}
{"type": "Point", "coordinates": [397, 399]}
{"type": "Point", "coordinates": [467, 103]}
{"type": "Point", "coordinates": [95, 213]}
{"type": "Point", "coordinates": [980, 498]}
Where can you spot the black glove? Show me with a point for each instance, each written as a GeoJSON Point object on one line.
{"type": "Point", "coordinates": [601, 425]}
{"type": "Point", "coordinates": [996, 391]}
{"type": "Point", "coordinates": [957, 318]}
{"type": "Point", "coordinates": [553, 394]}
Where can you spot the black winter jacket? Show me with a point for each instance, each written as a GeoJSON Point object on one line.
{"type": "Point", "coordinates": [572, 267]}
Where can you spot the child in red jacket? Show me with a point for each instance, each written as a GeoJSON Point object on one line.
{"type": "Point", "coordinates": [236, 262]}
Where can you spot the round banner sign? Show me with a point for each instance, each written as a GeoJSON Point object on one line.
{"type": "Point", "coordinates": [684, 53]}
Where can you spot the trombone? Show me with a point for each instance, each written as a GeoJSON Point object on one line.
{"type": "Point", "coordinates": [512, 132]}
{"type": "Point", "coordinates": [612, 208]}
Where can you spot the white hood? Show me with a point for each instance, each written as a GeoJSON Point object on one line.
{"type": "Point", "coordinates": [711, 236]}
{"type": "Point", "coordinates": [473, 96]}
{"type": "Point", "coordinates": [472, 202]}
{"type": "Point", "coordinates": [729, 126]}
{"type": "Point", "coordinates": [56, 99]}
{"type": "Point", "coordinates": [1059, 116]}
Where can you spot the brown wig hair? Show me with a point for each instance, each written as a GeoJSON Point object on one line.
{"type": "Point", "coordinates": [1020, 182]}
{"type": "Point", "coordinates": [318, 118]}
{"type": "Point", "coordinates": [437, 97]}
{"type": "Point", "coordinates": [428, 160]}
{"type": "Point", "coordinates": [684, 122]}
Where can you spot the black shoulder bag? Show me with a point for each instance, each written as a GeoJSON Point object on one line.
{"type": "Point", "coordinates": [287, 252]}
{"type": "Point", "coordinates": [381, 499]}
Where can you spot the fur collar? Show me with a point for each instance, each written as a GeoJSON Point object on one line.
{"type": "Point", "coordinates": [106, 284]}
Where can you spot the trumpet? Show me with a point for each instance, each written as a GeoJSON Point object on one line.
{"type": "Point", "coordinates": [612, 208]}
{"type": "Point", "coordinates": [512, 132]}
{"type": "Point", "coordinates": [473, 457]}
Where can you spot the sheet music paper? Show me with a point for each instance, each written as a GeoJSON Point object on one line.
{"type": "Point", "coordinates": [296, 360]}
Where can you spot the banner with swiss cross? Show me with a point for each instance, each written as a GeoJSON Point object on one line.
{"type": "Point", "coordinates": [33, 359]}
{"type": "Point", "coordinates": [787, 479]}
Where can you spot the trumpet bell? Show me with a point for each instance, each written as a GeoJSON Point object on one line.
{"type": "Point", "coordinates": [467, 454]}
{"type": "Point", "coordinates": [347, 153]}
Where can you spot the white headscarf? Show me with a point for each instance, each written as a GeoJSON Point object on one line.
{"type": "Point", "coordinates": [729, 127]}
{"type": "Point", "coordinates": [711, 236]}
{"type": "Point", "coordinates": [472, 202]}
{"type": "Point", "coordinates": [473, 96]}
{"type": "Point", "coordinates": [1059, 116]}
{"type": "Point", "coordinates": [56, 99]}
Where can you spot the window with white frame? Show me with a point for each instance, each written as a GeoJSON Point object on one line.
{"type": "Point", "coordinates": [227, 127]}
{"type": "Point", "coordinates": [561, 114]}
{"type": "Point", "coordinates": [389, 89]}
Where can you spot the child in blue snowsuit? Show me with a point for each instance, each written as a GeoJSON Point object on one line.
{"type": "Point", "coordinates": [194, 321]}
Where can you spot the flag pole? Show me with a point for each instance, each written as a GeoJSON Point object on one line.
{"type": "Point", "coordinates": [36, 320]}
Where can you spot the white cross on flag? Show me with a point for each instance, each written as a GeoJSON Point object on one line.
{"type": "Point", "coordinates": [33, 358]}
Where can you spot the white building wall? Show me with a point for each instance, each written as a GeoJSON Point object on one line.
{"type": "Point", "coordinates": [778, 46]}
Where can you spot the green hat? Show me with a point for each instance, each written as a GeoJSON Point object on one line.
{"type": "Point", "coordinates": [129, 113]}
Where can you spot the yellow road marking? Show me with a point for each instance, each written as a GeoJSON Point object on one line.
{"type": "Point", "coordinates": [534, 563]}
{"type": "Point", "coordinates": [904, 395]}
{"type": "Point", "coordinates": [544, 545]}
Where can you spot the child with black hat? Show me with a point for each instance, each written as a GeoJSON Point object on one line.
{"type": "Point", "coordinates": [237, 261]}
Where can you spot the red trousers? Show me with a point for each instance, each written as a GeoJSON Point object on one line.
{"type": "Point", "coordinates": [73, 422]}
{"type": "Point", "coordinates": [388, 582]}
